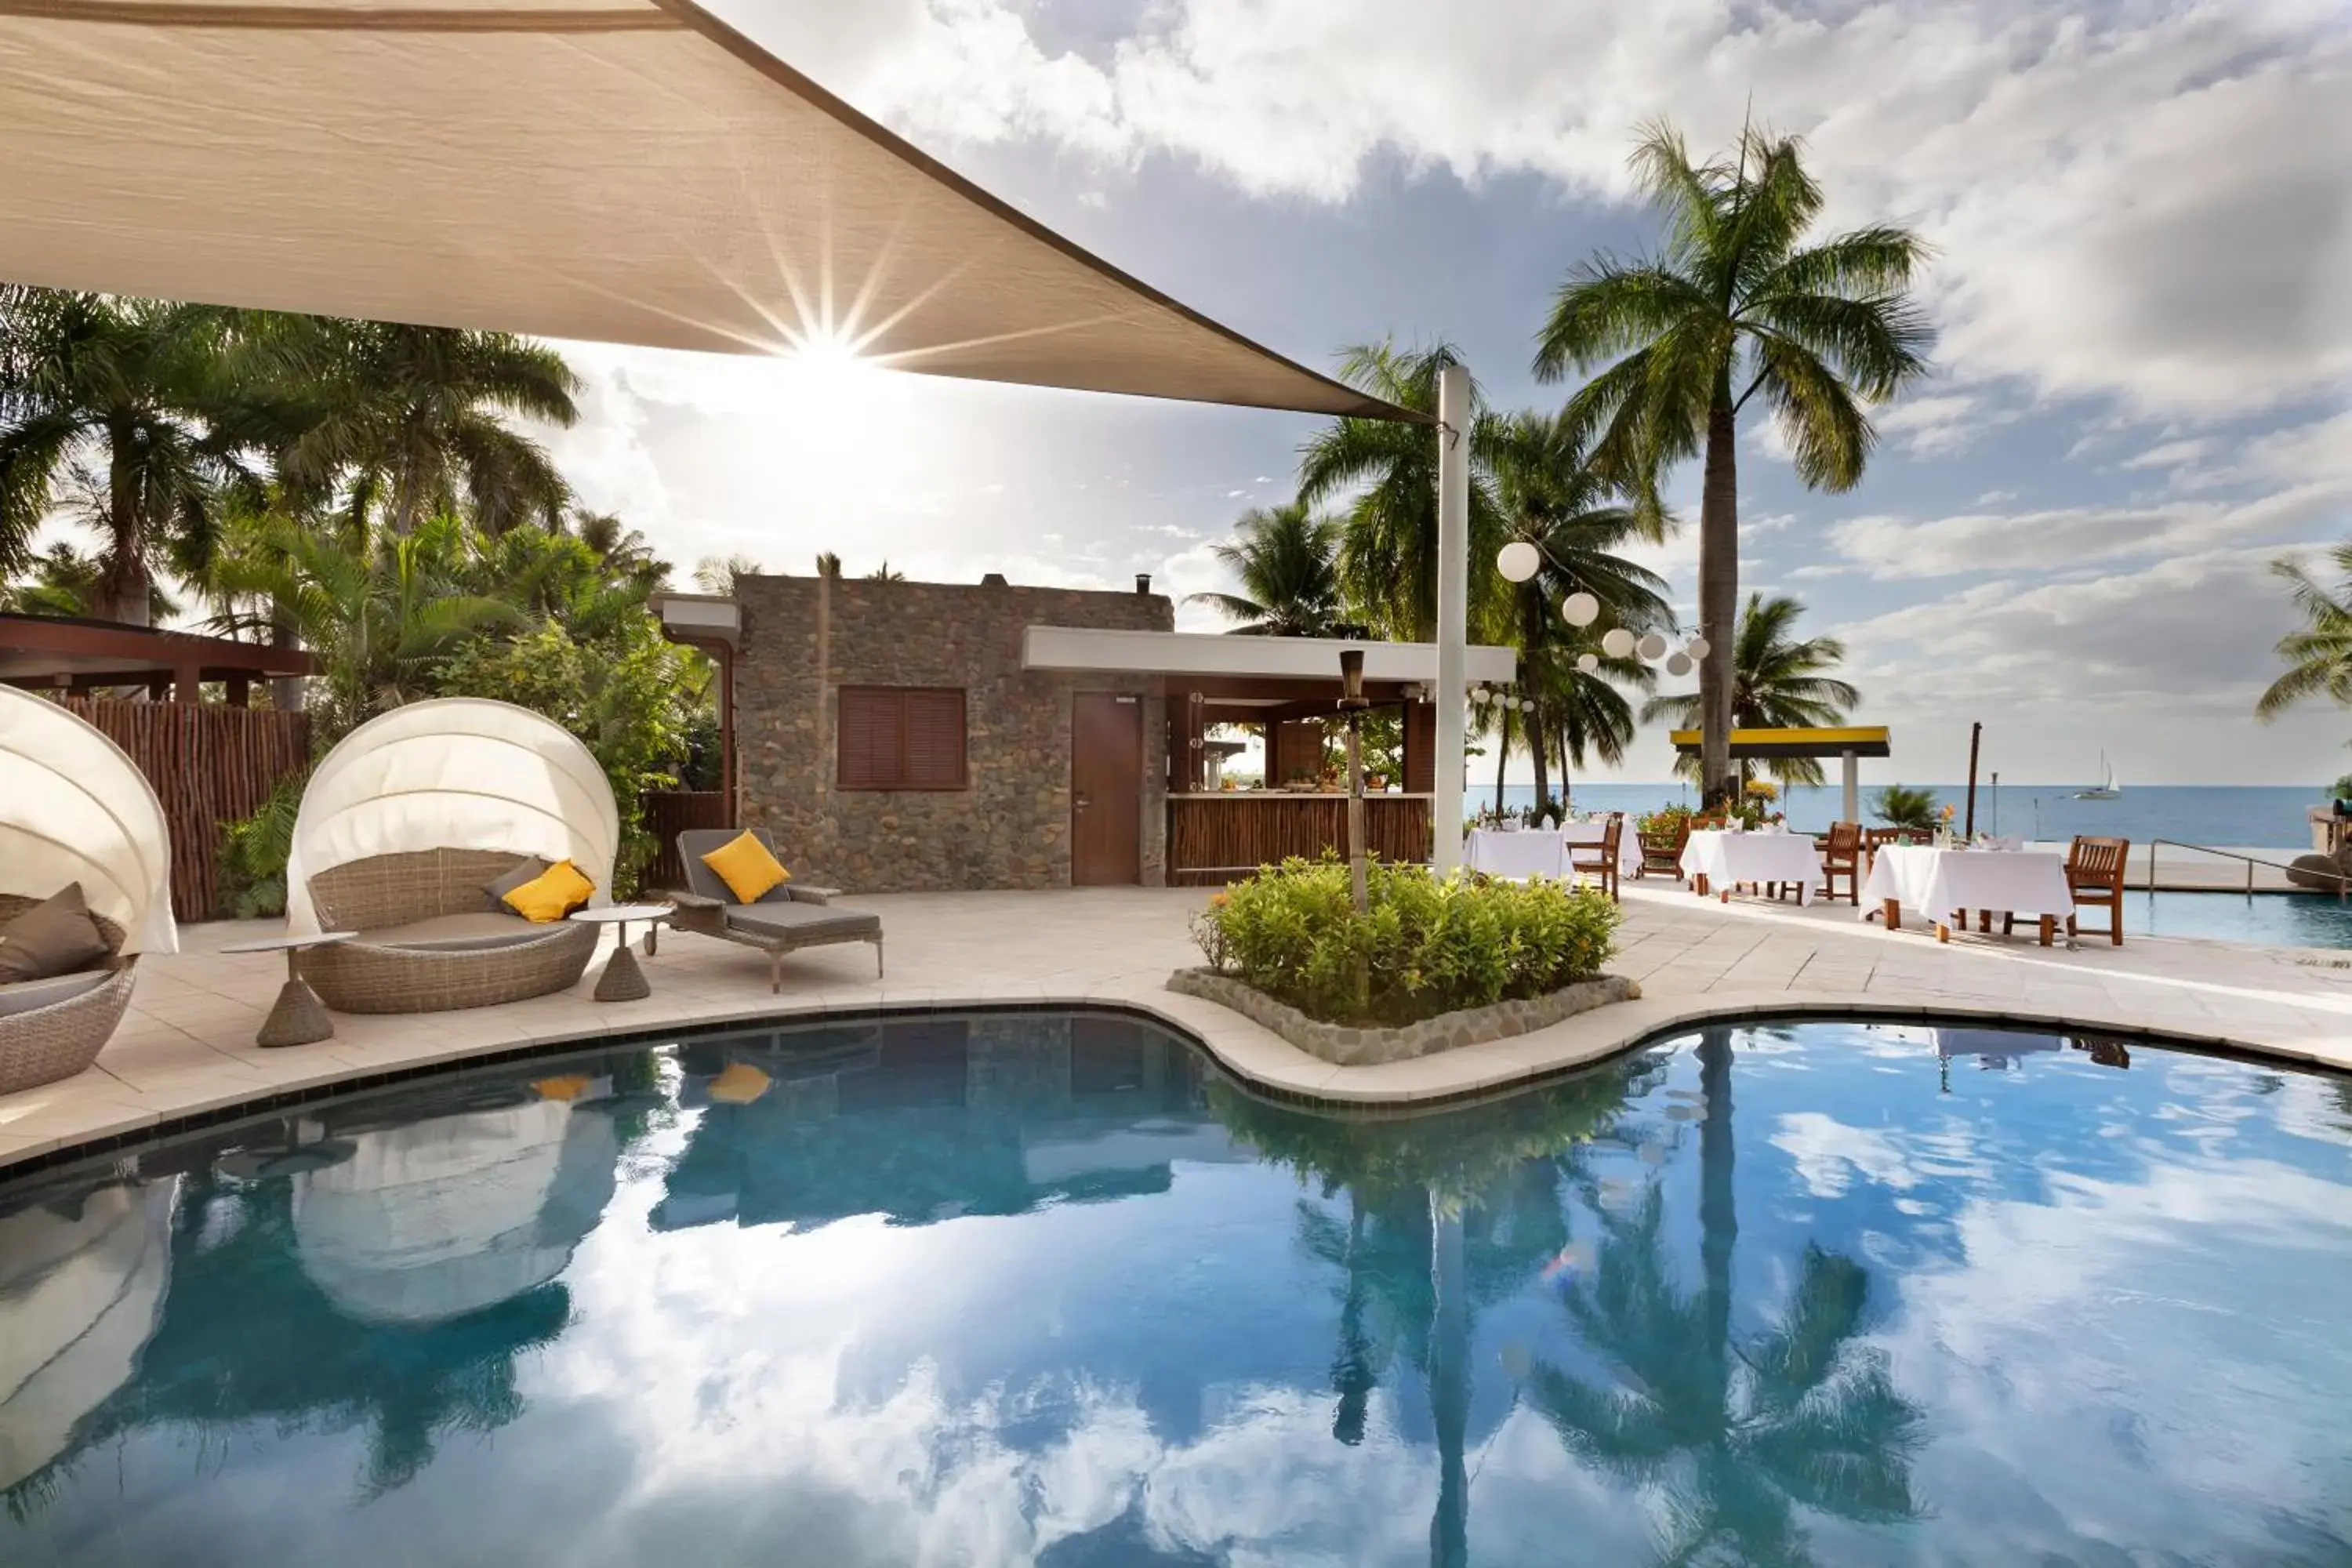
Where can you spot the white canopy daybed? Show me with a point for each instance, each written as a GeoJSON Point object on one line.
{"type": "Point", "coordinates": [402, 829]}
{"type": "Point", "coordinates": [431, 1221]}
{"type": "Point", "coordinates": [75, 809]}
{"type": "Point", "coordinates": [85, 1292]}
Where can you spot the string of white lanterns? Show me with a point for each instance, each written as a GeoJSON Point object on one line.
{"type": "Point", "coordinates": [1522, 559]}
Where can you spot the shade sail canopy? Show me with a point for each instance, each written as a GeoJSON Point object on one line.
{"type": "Point", "coordinates": [457, 773]}
{"type": "Point", "coordinates": [1862, 739]}
{"type": "Point", "coordinates": [455, 1214]}
{"type": "Point", "coordinates": [82, 1292]}
{"type": "Point", "coordinates": [624, 171]}
{"type": "Point", "coordinates": [75, 808]}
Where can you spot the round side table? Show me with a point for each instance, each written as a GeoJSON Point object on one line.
{"type": "Point", "coordinates": [623, 981]}
{"type": "Point", "coordinates": [299, 1018]}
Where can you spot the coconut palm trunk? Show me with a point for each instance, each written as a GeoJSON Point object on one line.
{"type": "Point", "coordinates": [1502, 752]}
{"type": "Point", "coordinates": [1449, 1386]}
{"type": "Point", "coordinates": [1719, 596]}
{"type": "Point", "coordinates": [1718, 1218]}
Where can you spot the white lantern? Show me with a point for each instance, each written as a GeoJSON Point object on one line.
{"type": "Point", "coordinates": [1652, 645]}
{"type": "Point", "coordinates": [1517, 560]}
{"type": "Point", "coordinates": [1480, 695]}
{"type": "Point", "coordinates": [1678, 664]}
{"type": "Point", "coordinates": [1588, 662]}
{"type": "Point", "coordinates": [1696, 649]}
{"type": "Point", "coordinates": [1617, 642]}
{"type": "Point", "coordinates": [1580, 609]}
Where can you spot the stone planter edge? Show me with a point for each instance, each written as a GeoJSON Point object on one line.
{"type": "Point", "coordinates": [1345, 1045]}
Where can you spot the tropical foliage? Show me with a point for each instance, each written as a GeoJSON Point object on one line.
{"type": "Point", "coordinates": [1423, 947]}
{"type": "Point", "coordinates": [2318, 654]}
{"type": "Point", "coordinates": [1900, 806]}
{"type": "Point", "coordinates": [358, 488]}
{"type": "Point", "coordinates": [1735, 305]}
{"type": "Point", "coordinates": [1387, 535]}
{"type": "Point", "coordinates": [1286, 561]}
{"type": "Point", "coordinates": [1778, 682]}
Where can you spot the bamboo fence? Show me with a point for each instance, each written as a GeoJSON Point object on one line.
{"type": "Point", "coordinates": [209, 765]}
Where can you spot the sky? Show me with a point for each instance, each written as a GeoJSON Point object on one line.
{"type": "Point", "coordinates": [2142, 220]}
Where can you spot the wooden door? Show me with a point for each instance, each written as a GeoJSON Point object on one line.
{"type": "Point", "coordinates": [1106, 790]}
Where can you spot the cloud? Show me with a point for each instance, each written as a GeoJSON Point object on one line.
{"type": "Point", "coordinates": [2147, 204]}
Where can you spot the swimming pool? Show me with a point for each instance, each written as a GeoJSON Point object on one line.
{"type": "Point", "coordinates": [1032, 1289]}
{"type": "Point", "coordinates": [2272, 919]}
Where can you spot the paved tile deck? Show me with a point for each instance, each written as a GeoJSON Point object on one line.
{"type": "Point", "coordinates": [187, 1043]}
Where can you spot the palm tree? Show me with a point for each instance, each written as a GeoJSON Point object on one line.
{"type": "Point", "coordinates": [2318, 656]}
{"type": "Point", "coordinates": [1287, 561]}
{"type": "Point", "coordinates": [408, 420]}
{"type": "Point", "coordinates": [623, 551]}
{"type": "Point", "coordinates": [1778, 683]}
{"type": "Point", "coordinates": [717, 575]}
{"type": "Point", "coordinates": [1549, 494]}
{"type": "Point", "coordinates": [1388, 539]}
{"type": "Point", "coordinates": [1737, 1431]}
{"type": "Point", "coordinates": [380, 616]}
{"type": "Point", "coordinates": [1735, 307]}
{"type": "Point", "coordinates": [104, 398]}
{"type": "Point", "coordinates": [65, 582]}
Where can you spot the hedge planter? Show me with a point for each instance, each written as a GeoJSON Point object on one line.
{"type": "Point", "coordinates": [1347, 1046]}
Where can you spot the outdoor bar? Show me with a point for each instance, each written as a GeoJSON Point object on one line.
{"type": "Point", "coordinates": [1286, 691]}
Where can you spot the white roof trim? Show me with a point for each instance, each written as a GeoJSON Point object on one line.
{"type": "Point", "coordinates": [1271, 659]}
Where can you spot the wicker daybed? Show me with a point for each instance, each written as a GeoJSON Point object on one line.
{"type": "Point", "coordinates": [430, 940]}
{"type": "Point", "coordinates": [791, 917]}
{"type": "Point", "coordinates": [402, 827]}
{"type": "Point", "coordinates": [44, 1044]}
{"type": "Point", "coordinates": [75, 813]}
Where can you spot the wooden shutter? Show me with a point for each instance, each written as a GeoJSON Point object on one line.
{"type": "Point", "coordinates": [900, 738]}
{"type": "Point", "coordinates": [872, 737]}
{"type": "Point", "coordinates": [935, 740]}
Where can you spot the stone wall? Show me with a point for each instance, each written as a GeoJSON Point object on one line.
{"type": "Point", "coordinates": [805, 638]}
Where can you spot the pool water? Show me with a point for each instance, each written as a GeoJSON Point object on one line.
{"type": "Point", "coordinates": [1026, 1289]}
{"type": "Point", "coordinates": [2272, 919]}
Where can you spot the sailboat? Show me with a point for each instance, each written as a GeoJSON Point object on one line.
{"type": "Point", "coordinates": [2108, 788]}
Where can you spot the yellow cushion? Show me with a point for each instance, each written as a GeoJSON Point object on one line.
{"type": "Point", "coordinates": [553, 894]}
{"type": "Point", "coordinates": [744, 864]}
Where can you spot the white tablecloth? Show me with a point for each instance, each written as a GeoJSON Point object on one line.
{"type": "Point", "coordinates": [1727, 858]}
{"type": "Point", "coordinates": [1933, 884]}
{"type": "Point", "coordinates": [1586, 835]}
{"type": "Point", "coordinates": [1528, 853]}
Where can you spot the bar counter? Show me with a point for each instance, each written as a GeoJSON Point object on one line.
{"type": "Point", "coordinates": [1220, 835]}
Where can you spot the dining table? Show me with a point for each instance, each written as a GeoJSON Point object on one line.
{"type": "Point", "coordinates": [1941, 885]}
{"type": "Point", "coordinates": [1718, 860]}
{"type": "Point", "coordinates": [1517, 852]}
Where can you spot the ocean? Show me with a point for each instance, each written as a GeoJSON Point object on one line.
{"type": "Point", "coordinates": [2259, 816]}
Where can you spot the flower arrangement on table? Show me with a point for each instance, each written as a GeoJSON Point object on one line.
{"type": "Point", "coordinates": [1749, 815]}
{"type": "Point", "coordinates": [1666, 821]}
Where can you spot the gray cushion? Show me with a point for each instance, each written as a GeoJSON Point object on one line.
{"type": "Point", "coordinates": [801, 922]}
{"type": "Point", "coordinates": [23, 995]}
{"type": "Point", "coordinates": [458, 934]}
{"type": "Point", "coordinates": [531, 868]}
{"type": "Point", "coordinates": [56, 936]}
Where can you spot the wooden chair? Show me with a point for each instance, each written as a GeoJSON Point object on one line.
{"type": "Point", "coordinates": [1663, 852]}
{"type": "Point", "coordinates": [1604, 865]}
{"type": "Point", "coordinates": [2095, 876]}
{"type": "Point", "coordinates": [1842, 856]}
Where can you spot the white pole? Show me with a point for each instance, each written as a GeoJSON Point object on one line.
{"type": "Point", "coordinates": [1853, 779]}
{"type": "Point", "coordinates": [1453, 610]}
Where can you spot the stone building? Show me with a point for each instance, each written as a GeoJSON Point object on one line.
{"type": "Point", "coordinates": [888, 737]}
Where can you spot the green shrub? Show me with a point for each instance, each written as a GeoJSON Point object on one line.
{"type": "Point", "coordinates": [1425, 946]}
{"type": "Point", "coordinates": [254, 850]}
{"type": "Point", "coordinates": [1899, 806]}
